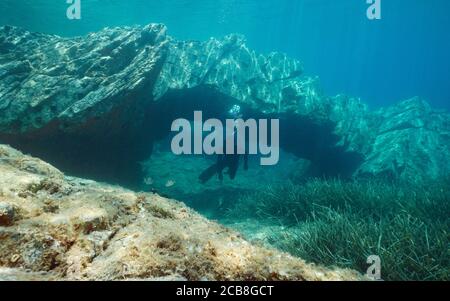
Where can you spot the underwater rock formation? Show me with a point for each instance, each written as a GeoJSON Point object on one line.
{"type": "Point", "coordinates": [48, 79]}
{"type": "Point", "coordinates": [95, 105]}
{"type": "Point", "coordinates": [80, 101]}
{"type": "Point", "coordinates": [267, 83]}
{"type": "Point", "coordinates": [69, 228]}
{"type": "Point", "coordinates": [410, 141]}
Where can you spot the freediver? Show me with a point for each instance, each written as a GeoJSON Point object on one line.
{"type": "Point", "coordinates": [227, 161]}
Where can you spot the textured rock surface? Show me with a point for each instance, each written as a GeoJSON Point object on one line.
{"type": "Point", "coordinates": [70, 100]}
{"type": "Point", "coordinates": [410, 141]}
{"type": "Point", "coordinates": [69, 228]}
{"type": "Point", "coordinates": [66, 99]}
{"type": "Point", "coordinates": [269, 83]}
{"type": "Point", "coordinates": [78, 97]}
{"type": "Point", "coordinates": [7, 214]}
{"type": "Point", "coordinates": [46, 78]}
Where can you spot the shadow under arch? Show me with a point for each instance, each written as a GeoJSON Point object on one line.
{"type": "Point", "coordinates": [299, 135]}
{"type": "Point", "coordinates": [107, 151]}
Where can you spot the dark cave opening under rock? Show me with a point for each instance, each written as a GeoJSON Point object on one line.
{"type": "Point", "coordinates": [104, 151]}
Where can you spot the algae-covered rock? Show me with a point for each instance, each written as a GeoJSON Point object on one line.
{"type": "Point", "coordinates": [7, 274]}
{"type": "Point", "coordinates": [47, 79]}
{"type": "Point", "coordinates": [96, 105]}
{"type": "Point", "coordinates": [269, 83]}
{"type": "Point", "coordinates": [104, 232]}
{"type": "Point", "coordinates": [412, 142]}
{"type": "Point", "coordinates": [72, 100]}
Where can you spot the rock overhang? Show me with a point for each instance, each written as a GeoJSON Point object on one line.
{"type": "Point", "coordinates": [103, 87]}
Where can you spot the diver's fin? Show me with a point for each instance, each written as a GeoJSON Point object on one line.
{"type": "Point", "coordinates": [208, 174]}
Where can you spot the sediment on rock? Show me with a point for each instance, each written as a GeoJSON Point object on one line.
{"type": "Point", "coordinates": [68, 228]}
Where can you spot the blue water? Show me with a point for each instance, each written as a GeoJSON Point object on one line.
{"type": "Point", "coordinates": [403, 55]}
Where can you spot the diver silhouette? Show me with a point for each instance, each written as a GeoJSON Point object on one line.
{"type": "Point", "coordinates": [227, 161]}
